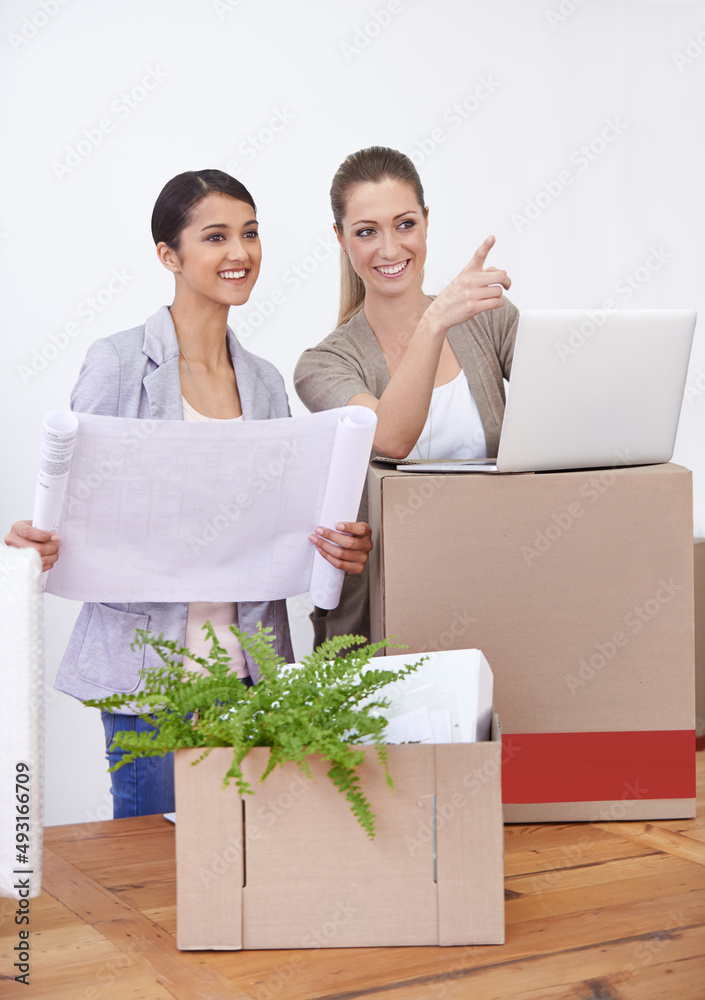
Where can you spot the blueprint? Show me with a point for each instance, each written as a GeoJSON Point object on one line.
{"type": "Point", "coordinates": [169, 510]}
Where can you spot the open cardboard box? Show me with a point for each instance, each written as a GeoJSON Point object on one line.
{"type": "Point", "coordinates": [578, 588]}
{"type": "Point", "coordinates": [290, 867]}
{"type": "Point", "coordinates": [699, 552]}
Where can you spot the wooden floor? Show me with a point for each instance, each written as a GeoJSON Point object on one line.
{"type": "Point", "coordinates": [608, 911]}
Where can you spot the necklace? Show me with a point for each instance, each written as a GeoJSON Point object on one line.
{"type": "Point", "coordinates": [430, 432]}
{"type": "Point", "coordinates": [195, 385]}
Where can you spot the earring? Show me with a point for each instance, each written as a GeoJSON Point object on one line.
{"type": "Point", "coordinates": [176, 269]}
{"type": "Point", "coordinates": [345, 253]}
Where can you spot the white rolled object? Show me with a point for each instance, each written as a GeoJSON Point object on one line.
{"type": "Point", "coordinates": [59, 432]}
{"type": "Point", "coordinates": [341, 502]}
{"type": "Point", "coordinates": [21, 723]}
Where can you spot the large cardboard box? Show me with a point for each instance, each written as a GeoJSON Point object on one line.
{"type": "Point", "coordinates": [700, 643]}
{"type": "Point", "coordinates": [290, 867]}
{"type": "Point", "coordinates": [578, 588]}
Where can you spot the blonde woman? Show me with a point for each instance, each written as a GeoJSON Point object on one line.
{"type": "Point", "coordinates": [431, 368]}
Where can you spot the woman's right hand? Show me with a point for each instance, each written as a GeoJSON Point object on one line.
{"type": "Point", "coordinates": [476, 289]}
{"type": "Point", "coordinates": [22, 535]}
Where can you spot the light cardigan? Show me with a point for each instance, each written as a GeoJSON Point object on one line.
{"type": "Point", "coordinates": [350, 361]}
{"type": "Point", "coordinates": [136, 374]}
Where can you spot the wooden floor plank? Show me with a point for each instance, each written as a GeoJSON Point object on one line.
{"type": "Point", "coordinates": [593, 873]}
{"type": "Point", "coordinates": [46, 912]}
{"type": "Point", "coordinates": [635, 962]}
{"type": "Point", "coordinates": [549, 848]}
{"type": "Point", "coordinates": [163, 916]}
{"type": "Point", "coordinates": [100, 978]}
{"type": "Point", "coordinates": [610, 911]}
{"type": "Point", "coordinates": [307, 974]}
{"type": "Point", "coordinates": [88, 900]}
{"type": "Point", "coordinates": [562, 904]}
{"type": "Point", "coordinates": [133, 933]}
{"type": "Point", "coordinates": [187, 975]}
{"type": "Point", "coordinates": [683, 980]}
{"type": "Point", "coordinates": [92, 854]}
{"type": "Point", "coordinates": [653, 836]}
{"type": "Point", "coordinates": [576, 891]}
{"type": "Point", "coordinates": [70, 833]}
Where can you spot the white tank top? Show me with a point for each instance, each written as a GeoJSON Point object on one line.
{"type": "Point", "coordinates": [221, 614]}
{"type": "Point", "coordinates": [453, 428]}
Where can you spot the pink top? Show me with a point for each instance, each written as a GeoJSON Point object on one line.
{"type": "Point", "coordinates": [220, 614]}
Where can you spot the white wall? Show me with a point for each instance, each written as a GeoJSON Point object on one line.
{"type": "Point", "coordinates": [278, 94]}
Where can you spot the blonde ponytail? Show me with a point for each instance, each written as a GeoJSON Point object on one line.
{"type": "Point", "coordinates": [352, 290]}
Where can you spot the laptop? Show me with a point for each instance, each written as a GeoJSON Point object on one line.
{"type": "Point", "coordinates": [590, 389]}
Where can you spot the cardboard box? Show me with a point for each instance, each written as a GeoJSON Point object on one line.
{"type": "Point", "coordinates": [578, 588]}
{"type": "Point", "coordinates": [290, 866]}
{"type": "Point", "coordinates": [700, 643]}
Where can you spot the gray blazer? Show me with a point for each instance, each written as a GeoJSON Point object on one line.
{"type": "Point", "coordinates": [136, 374]}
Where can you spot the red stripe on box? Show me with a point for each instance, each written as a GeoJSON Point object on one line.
{"type": "Point", "coordinates": [597, 767]}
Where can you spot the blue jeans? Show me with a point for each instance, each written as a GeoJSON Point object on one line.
{"type": "Point", "coordinates": [144, 786]}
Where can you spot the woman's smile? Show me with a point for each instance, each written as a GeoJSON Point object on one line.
{"type": "Point", "coordinates": [234, 275]}
{"type": "Point", "coordinates": [392, 270]}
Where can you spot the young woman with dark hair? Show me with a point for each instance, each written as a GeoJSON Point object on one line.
{"type": "Point", "coordinates": [431, 368]}
{"type": "Point", "coordinates": [183, 363]}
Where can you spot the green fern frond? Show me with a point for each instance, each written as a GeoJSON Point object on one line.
{"type": "Point", "coordinates": [324, 705]}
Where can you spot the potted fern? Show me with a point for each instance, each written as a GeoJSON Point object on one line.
{"type": "Point", "coordinates": [324, 705]}
{"type": "Point", "coordinates": [278, 863]}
